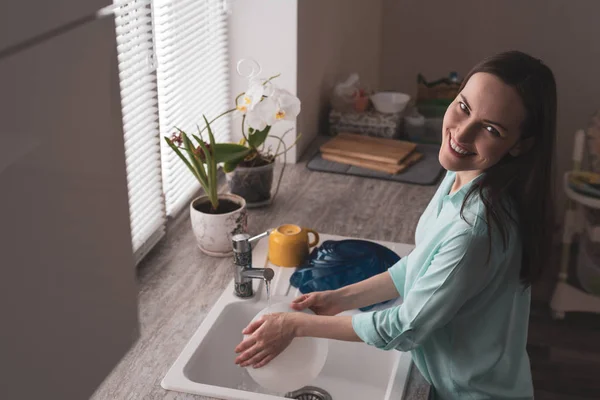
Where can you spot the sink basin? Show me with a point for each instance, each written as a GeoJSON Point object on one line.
{"type": "Point", "coordinates": [352, 370]}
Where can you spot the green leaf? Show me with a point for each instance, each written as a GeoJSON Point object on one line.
{"type": "Point", "coordinates": [257, 138]}
{"type": "Point", "coordinates": [211, 165]}
{"type": "Point", "coordinates": [197, 165]}
{"type": "Point", "coordinates": [230, 166]}
{"type": "Point", "coordinates": [180, 154]}
{"type": "Point", "coordinates": [208, 162]}
{"type": "Point", "coordinates": [225, 152]}
{"type": "Point", "coordinates": [197, 138]}
{"type": "Point", "coordinates": [211, 137]}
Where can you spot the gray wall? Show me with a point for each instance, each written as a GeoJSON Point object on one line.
{"type": "Point", "coordinates": [335, 38]}
{"type": "Point", "coordinates": [68, 296]}
{"type": "Point", "coordinates": [435, 37]}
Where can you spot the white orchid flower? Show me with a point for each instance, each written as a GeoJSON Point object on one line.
{"type": "Point", "coordinates": [251, 97]}
{"type": "Point", "coordinates": [288, 105]}
{"type": "Point", "coordinates": [281, 105]}
{"type": "Point", "coordinates": [263, 114]}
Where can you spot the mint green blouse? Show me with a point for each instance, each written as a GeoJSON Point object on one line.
{"type": "Point", "coordinates": [464, 319]}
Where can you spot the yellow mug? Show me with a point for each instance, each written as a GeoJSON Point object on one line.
{"type": "Point", "coordinates": [289, 245]}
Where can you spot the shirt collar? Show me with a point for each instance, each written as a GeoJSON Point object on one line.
{"type": "Point", "coordinates": [457, 197]}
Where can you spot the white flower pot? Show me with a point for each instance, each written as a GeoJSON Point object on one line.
{"type": "Point", "coordinates": [214, 231]}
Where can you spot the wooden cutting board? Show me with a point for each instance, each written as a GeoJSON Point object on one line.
{"type": "Point", "coordinates": [374, 165]}
{"type": "Point", "coordinates": [390, 151]}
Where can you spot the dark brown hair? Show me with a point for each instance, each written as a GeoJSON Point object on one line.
{"type": "Point", "coordinates": [526, 178]}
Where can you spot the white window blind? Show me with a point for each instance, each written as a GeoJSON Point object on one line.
{"type": "Point", "coordinates": [192, 78]}
{"type": "Point", "coordinates": [140, 123]}
{"type": "Point", "coordinates": [173, 67]}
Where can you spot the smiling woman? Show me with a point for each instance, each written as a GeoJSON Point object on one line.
{"type": "Point", "coordinates": [473, 137]}
{"type": "Point", "coordinates": [503, 122]}
{"type": "Point", "coordinates": [480, 243]}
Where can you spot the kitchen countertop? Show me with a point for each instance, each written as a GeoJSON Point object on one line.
{"type": "Point", "coordinates": [178, 284]}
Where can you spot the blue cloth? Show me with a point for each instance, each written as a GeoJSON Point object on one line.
{"type": "Point", "coordinates": [463, 319]}
{"type": "Point", "coordinates": [338, 263]}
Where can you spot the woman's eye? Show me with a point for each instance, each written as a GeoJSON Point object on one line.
{"type": "Point", "coordinates": [492, 130]}
{"type": "Point", "coordinates": [463, 107]}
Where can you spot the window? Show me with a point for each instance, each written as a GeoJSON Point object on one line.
{"type": "Point", "coordinates": [191, 47]}
{"type": "Point", "coordinates": [173, 67]}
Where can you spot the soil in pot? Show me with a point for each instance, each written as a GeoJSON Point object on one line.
{"type": "Point", "coordinates": [252, 186]}
{"type": "Point", "coordinates": [225, 206]}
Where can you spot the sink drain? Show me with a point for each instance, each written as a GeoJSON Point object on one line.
{"type": "Point", "coordinates": [309, 393]}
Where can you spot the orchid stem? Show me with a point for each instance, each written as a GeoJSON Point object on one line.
{"type": "Point", "coordinates": [285, 147]}
{"type": "Point", "coordinates": [282, 167]}
{"type": "Point", "coordinates": [243, 129]}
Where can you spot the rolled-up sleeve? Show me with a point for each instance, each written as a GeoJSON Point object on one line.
{"type": "Point", "coordinates": [398, 274]}
{"type": "Point", "coordinates": [458, 271]}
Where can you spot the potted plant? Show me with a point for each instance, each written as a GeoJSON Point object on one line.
{"type": "Point", "coordinates": [215, 217]}
{"type": "Point", "coordinates": [262, 106]}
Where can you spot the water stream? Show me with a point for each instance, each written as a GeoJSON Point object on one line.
{"type": "Point", "coordinates": [268, 287]}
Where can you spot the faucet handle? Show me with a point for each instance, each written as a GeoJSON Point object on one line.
{"type": "Point", "coordinates": [260, 235]}
{"type": "Point", "coordinates": [242, 242]}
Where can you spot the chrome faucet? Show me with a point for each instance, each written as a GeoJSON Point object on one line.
{"type": "Point", "coordinates": [242, 260]}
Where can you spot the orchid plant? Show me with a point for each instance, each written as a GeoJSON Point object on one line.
{"type": "Point", "coordinates": [260, 107]}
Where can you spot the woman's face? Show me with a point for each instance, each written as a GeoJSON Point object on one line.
{"type": "Point", "coordinates": [481, 125]}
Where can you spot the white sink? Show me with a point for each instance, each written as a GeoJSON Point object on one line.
{"type": "Point", "coordinates": [352, 370]}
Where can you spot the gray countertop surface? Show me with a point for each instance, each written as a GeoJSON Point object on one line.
{"type": "Point", "coordinates": [178, 284]}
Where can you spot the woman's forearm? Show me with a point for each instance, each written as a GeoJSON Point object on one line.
{"type": "Point", "coordinates": [338, 327]}
{"type": "Point", "coordinates": [374, 290]}
{"type": "Point", "coordinates": [370, 291]}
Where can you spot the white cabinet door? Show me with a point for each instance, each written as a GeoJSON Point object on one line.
{"type": "Point", "coordinates": [23, 19]}
{"type": "Point", "coordinates": [68, 298]}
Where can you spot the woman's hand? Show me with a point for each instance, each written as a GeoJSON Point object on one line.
{"type": "Point", "coordinates": [269, 336]}
{"type": "Point", "coordinates": [321, 303]}
{"type": "Point", "coordinates": [374, 290]}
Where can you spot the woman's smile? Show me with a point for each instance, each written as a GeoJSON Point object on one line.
{"type": "Point", "coordinates": [457, 149]}
{"type": "Point", "coordinates": [480, 126]}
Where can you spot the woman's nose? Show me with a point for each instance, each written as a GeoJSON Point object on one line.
{"type": "Point", "coordinates": [465, 133]}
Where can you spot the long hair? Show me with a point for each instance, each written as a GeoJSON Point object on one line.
{"type": "Point", "coordinates": [526, 178]}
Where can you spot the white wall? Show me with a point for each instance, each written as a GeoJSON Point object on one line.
{"type": "Point", "coordinates": [266, 31]}
{"type": "Point", "coordinates": [313, 44]}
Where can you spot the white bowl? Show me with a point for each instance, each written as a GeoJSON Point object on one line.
{"type": "Point", "coordinates": [296, 366]}
{"type": "Point", "coordinates": [390, 102]}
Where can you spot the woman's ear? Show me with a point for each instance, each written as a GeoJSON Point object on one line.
{"type": "Point", "coordinates": [521, 147]}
